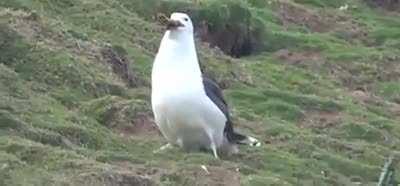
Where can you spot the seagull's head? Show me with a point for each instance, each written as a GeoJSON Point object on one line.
{"type": "Point", "coordinates": [180, 22]}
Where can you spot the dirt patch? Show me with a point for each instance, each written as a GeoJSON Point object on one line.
{"type": "Point", "coordinates": [233, 40]}
{"type": "Point", "coordinates": [213, 176]}
{"type": "Point", "coordinates": [129, 119]}
{"type": "Point", "coordinates": [232, 28]}
{"type": "Point", "coordinates": [364, 76]}
{"type": "Point", "coordinates": [290, 13]}
{"type": "Point", "coordinates": [30, 31]}
{"type": "Point", "coordinates": [320, 21]}
{"type": "Point", "coordinates": [363, 98]}
{"type": "Point", "coordinates": [140, 169]}
{"type": "Point", "coordinates": [393, 5]}
{"type": "Point", "coordinates": [298, 57]}
{"type": "Point", "coordinates": [142, 124]}
{"type": "Point", "coordinates": [216, 176]}
{"type": "Point", "coordinates": [116, 176]}
{"type": "Point", "coordinates": [321, 120]}
{"type": "Point", "coordinates": [395, 109]}
{"type": "Point", "coordinates": [311, 60]}
{"type": "Point", "coordinates": [120, 63]}
{"type": "Point", "coordinates": [389, 69]}
{"type": "Point", "coordinates": [122, 178]}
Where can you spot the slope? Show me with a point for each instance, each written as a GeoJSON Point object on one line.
{"type": "Point", "coordinates": [317, 84]}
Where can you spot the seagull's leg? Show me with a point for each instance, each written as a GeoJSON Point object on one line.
{"type": "Point", "coordinates": [163, 148]}
{"type": "Point", "coordinates": [214, 149]}
{"type": "Point", "coordinates": [213, 146]}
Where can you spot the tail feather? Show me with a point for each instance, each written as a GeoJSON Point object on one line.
{"type": "Point", "coordinates": [237, 138]}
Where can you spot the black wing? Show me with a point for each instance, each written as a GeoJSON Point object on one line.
{"type": "Point", "coordinates": [215, 94]}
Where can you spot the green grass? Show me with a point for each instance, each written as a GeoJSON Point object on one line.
{"type": "Point", "coordinates": [66, 118]}
{"type": "Point", "coordinates": [389, 90]}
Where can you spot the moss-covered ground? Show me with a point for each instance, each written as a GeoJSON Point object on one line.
{"type": "Point", "coordinates": [321, 90]}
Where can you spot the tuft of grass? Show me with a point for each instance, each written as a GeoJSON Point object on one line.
{"type": "Point", "coordinates": [362, 131]}
{"type": "Point", "coordinates": [281, 109]}
{"type": "Point", "coordinates": [289, 106]}
{"type": "Point", "coordinates": [351, 168]}
{"type": "Point", "coordinates": [389, 90]}
{"type": "Point", "coordinates": [13, 48]}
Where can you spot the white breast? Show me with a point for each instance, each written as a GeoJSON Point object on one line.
{"type": "Point", "coordinates": [182, 110]}
{"type": "Point", "coordinates": [190, 120]}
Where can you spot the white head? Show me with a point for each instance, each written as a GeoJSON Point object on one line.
{"type": "Point", "coordinates": [180, 22]}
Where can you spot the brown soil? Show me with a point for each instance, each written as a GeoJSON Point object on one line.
{"type": "Point", "coordinates": [362, 97]}
{"type": "Point", "coordinates": [142, 124]}
{"type": "Point", "coordinates": [295, 14]}
{"type": "Point", "coordinates": [129, 119]}
{"type": "Point", "coordinates": [216, 176]}
{"type": "Point", "coordinates": [343, 25]}
{"type": "Point", "coordinates": [311, 60]}
{"type": "Point", "coordinates": [234, 41]}
{"type": "Point", "coordinates": [220, 176]}
{"type": "Point", "coordinates": [123, 174]}
{"type": "Point", "coordinates": [122, 178]}
{"type": "Point", "coordinates": [395, 109]}
{"type": "Point", "coordinates": [298, 57]}
{"type": "Point", "coordinates": [393, 5]}
{"type": "Point", "coordinates": [389, 69]}
{"type": "Point", "coordinates": [120, 64]}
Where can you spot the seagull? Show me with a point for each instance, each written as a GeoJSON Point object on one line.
{"type": "Point", "coordinates": [189, 108]}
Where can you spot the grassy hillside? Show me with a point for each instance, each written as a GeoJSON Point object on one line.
{"type": "Point", "coordinates": [318, 84]}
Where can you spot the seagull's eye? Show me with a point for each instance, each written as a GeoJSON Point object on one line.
{"type": "Point", "coordinates": [186, 19]}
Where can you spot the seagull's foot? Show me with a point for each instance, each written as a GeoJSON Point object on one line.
{"type": "Point", "coordinates": [253, 141]}
{"type": "Point", "coordinates": [163, 148]}
{"type": "Point", "coordinates": [244, 140]}
{"type": "Point", "coordinates": [205, 169]}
